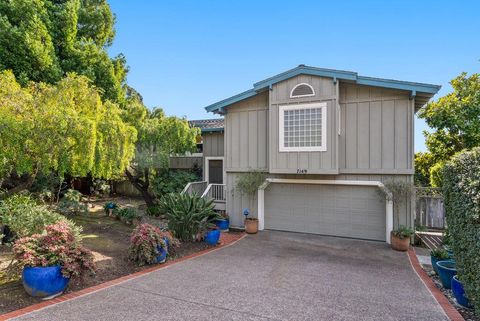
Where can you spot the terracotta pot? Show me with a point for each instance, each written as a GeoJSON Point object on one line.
{"type": "Point", "coordinates": [251, 225]}
{"type": "Point", "coordinates": [399, 244]}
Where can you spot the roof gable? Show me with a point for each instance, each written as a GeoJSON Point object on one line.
{"type": "Point", "coordinates": [422, 91]}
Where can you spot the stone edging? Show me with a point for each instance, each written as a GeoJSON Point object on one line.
{"type": "Point", "coordinates": [447, 307]}
{"type": "Point", "coordinates": [73, 295]}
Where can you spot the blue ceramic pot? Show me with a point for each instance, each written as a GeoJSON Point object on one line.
{"type": "Point", "coordinates": [162, 256]}
{"type": "Point", "coordinates": [446, 271]}
{"type": "Point", "coordinates": [434, 261]}
{"type": "Point", "coordinates": [167, 243]}
{"type": "Point", "coordinates": [212, 237]}
{"type": "Point", "coordinates": [223, 225]}
{"type": "Point", "coordinates": [459, 292]}
{"type": "Point", "coordinates": [44, 282]}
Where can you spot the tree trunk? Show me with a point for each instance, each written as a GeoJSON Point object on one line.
{"type": "Point", "coordinates": [22, 186]}
{"type": "Point", "coordinates": [142, 188]}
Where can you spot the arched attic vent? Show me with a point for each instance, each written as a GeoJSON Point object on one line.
{"type": "Point", "coordinates": [302, 90]}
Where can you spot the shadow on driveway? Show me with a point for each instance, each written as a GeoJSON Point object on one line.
{"type": "Point", "coordinates": [268, 276]}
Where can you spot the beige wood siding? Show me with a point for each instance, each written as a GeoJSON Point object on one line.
{"type": "Point", "coordinates": [246, 144]}
{"type": "Point", "coordinates": [185, 162]}
{"type": "Point", "coordinates": [213, 144]}
{"type": "Point", "coordinates": [237, 202]}
{"type": "Point", "coordinates": [324, 162]}
{"type": "Point", "coordinates": [376, 130]}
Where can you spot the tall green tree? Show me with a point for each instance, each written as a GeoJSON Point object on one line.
{"type": "Point", "coordinates": [43, 40]}
{"type": "Point", "coordinates": [64, 128]}
{"type": "Point", "coordinates": [455, 120]}
{"type": "Point", "coordinates": [159, 136]}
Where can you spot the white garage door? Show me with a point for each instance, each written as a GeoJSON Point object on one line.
{"type": "Point", "coordinates": [348, 211]}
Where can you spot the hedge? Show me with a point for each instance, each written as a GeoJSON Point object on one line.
{"type": "Point", "coordinates": [461, 188]}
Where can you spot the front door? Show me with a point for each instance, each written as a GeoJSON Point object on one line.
{"type": "Point", "coordinates": [215, 171]}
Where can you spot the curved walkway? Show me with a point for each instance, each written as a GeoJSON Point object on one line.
{"type": "Point", "coordinates": [269, 276]}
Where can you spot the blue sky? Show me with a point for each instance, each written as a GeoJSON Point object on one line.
{"type": "Point", "coordinates": [184, 55]}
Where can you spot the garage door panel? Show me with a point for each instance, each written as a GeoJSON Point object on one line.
{"type": "Point", "coordinates": [349, 211]}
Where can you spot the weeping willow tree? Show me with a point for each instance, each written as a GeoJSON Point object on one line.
{"type": "Point", "coordinates": [64, 128]}
{"type": "Point", "coordinates": [159, 136]}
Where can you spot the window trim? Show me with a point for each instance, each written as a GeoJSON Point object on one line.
{"type": "Point", "coordinates": [300, 96]}
{"type": "Point", "coordinates": [281, 128]}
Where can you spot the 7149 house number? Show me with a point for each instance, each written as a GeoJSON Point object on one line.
{"type": "Point", "coordinates": [301, 171]}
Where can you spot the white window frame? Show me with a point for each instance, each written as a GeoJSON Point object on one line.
{"type": "Point", "coordinates": [281, 128]}
{"type": "Point", "coordinates": [299, 96]}
{"type": "Point", "coordinates": [206, 176]}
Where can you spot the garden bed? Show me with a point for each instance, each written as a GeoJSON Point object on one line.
{"type": "Point", "coordinates": [467, 314]}
{"type": "Point", "coordinates": [108, 239]}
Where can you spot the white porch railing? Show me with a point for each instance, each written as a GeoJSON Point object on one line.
{"type": "Point", "coordinates": [195, 187]}
{"type": "Point", "coordinates": [216, 191]}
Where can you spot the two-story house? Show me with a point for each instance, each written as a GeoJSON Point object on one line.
{"type": "Point", "coordinates": [327, 140]}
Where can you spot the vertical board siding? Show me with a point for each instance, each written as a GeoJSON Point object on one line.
{"type": "Point", "coordinates": [185, 162]}
{"type": "Point", "coordinates": [246, 141]}
{"type": "Point", "coordinates": [314, 162]}
{"type": "Point", "coordinates": [377, 130]}
{"type": "Point", "coordinates": [213, 144]}
{"type": "Point", "coordinates": [236, 202]}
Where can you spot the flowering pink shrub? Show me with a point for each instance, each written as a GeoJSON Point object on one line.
{"type": "Point", "coordinates": [144, 241]}
{"type": "Point", "coordinates": [58, 246]}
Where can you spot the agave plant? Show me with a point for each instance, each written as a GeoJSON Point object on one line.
{"type": "Point", "coordinates": [188, 215]}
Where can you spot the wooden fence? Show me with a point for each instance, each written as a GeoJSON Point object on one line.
{"type": "Point", "coordinates": [430, 211]}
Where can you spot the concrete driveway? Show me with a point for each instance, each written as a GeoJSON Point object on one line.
{"type": "Point", "coordinates": [269, 276]}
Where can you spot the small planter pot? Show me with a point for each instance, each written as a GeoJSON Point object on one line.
{"type": "Point", "coordinates": [434, 261]}
{"type": "Point", "coordinates": [167, 243]}
{"type": "Point", "coordinates": [212, 237]}
{"type": "Point", "coordinates": [223, 225]}
{"type": "Point", "coordinates": [162, 257]}
{"type": "Point", "coordinates": [446, 272]}
{"type": "Point", "coordinates": [251, 225]}
{"type": "Point", "coordinates": [459, 292]}
{"type": "Point", "coordinates": [44, 282]}
{"type": "Point", "coordinates": [399, 244]}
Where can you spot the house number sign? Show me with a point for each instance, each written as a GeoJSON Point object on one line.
{"type": "Point", "coordinates": [301, 171]}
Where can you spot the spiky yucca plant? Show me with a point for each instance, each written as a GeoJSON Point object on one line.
{"type": "Point", "coordinates": [188, 215]}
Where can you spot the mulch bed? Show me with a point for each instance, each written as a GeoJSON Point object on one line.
{"type": "Point", "coordinates": [109, 240]}
{"type": "Point", "coordinates": [467, 314]}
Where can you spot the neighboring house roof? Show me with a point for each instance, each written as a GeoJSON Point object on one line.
{"type": "Point", "coordinates": [208, 125]}
{"type": "Point", "coordinates": [421, 91]}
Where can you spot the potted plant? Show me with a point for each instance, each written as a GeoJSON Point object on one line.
{"type": "Point", "coordinates": [400, 238]}
{"type": "Point", "coordinates": [50, 259]}
{"type": "Point", "coordinates": [223, 223]}
{"type": "Point", "coordinates": [212, 237]}
{"type": "Point", "coordinates": [147, 245]}
{"type": "Point", "coordinates": [248, 184]}
{"type": "Point", "coordinates": [171, 242]}
{"type": "Point", "coordinates": [251, 223]}
{"type": "Point", "coordinates": [436, 255]}
{"type": "Point", "coordinates": [459, 292]}
{"type": "Point", "coordinates": [446, 271]}
{"type": "Point", "coordinates": [109, 208]}
{"type": "Point", "coordinates": [398, 192]}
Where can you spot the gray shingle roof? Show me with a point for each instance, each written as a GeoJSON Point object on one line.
{"type": "Point", "coordinates": [208, 125]}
